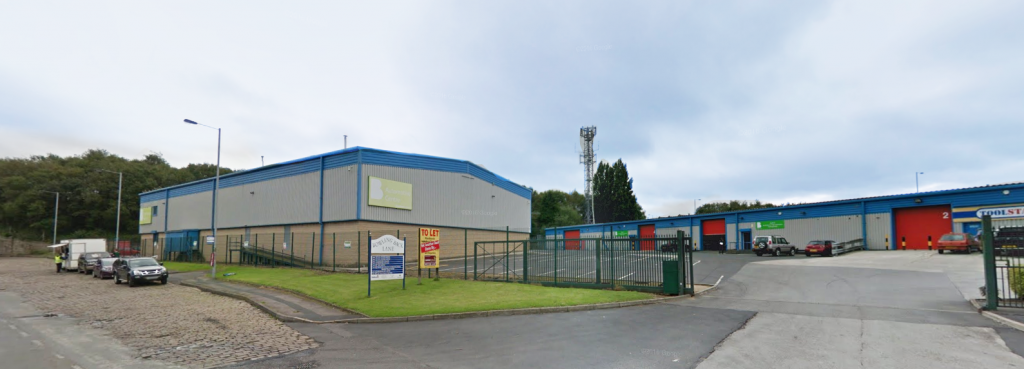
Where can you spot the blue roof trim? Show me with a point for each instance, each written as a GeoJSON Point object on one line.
{"type": "Point", "coordinates": [150, 197]}
{"type": "Point", "coordinates": [346, 157]}
{"type": "Point", "coordinates": [963, 197]}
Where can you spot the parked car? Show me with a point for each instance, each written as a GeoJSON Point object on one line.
{"type": "Point", "coordinates": [820, 247]}
{"type": "Point", "coordinates": [87, 260]}
{"type": "Point", "coordinates": [138, 270]}
{"type": "Point", "coordinates": [669, 247]}
{"type": "Point", "coordinates": [104, 268]}
{"type": "Point", "coordinates": [773, 245]}
{"type": "Point", "coordinates": [1008, 241]}
{"type": "Point", "coordinates": [961, 242]}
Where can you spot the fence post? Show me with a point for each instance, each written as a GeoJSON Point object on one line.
{"type": "Point", "coordinates": [273, 250]}
{"type": "Point", "coordinates": [359, 251]}
{"type": "Point", "coordinates": [556, 256]}
{"type": "Point", "coordinates": [683, 267]}
{"type": "Point", "coordinates": [312, 251]}
{"type": "Point", "coordinates": [506, 254]}
{"type": "Point", "coordinates": [598, 251]}
{"type": "Point", "coordinates": [334, 252]}
{"type": "Point", "coordinates": [526, 261]}
{"type": "Point", "coordinates": [292, 256]}
{"type": "Point", "coordinates": [611, 249]}
{"type": "Point", "coordinates": [474, 262]}
{"type": "Point", "coordinates": [991, 292]}
{"type": "Point", "coordinates": [465, 254]}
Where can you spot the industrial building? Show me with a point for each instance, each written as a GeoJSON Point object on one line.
{"type": "Point", "coordinates": [346, 192]}
{"type": "Point", "coordinates": [908, 221]}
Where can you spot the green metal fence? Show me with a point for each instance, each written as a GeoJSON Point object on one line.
{"type": "Point", "coordinates": [1004, 265]}
{"type": "Point", "coordinates": [629, 263]}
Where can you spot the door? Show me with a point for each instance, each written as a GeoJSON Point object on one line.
{"type": "Point", "coordinates": [572, 235]}
{"type": "Point", "coordinates": [647, 236]}
{"type": "Point", "coordinates": [713, 232]}
{"type": "Point", "coordinates": [916, 225]}
{"type": "Point", "coordinates": [746, 240]}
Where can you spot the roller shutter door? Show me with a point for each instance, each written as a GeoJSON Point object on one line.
{"type": "Point", "coordinates": [915, 225]}
{"type": "Point", "coordinates": [713, 234]}
{"type": "Point", "coordinates": [572, 235]}
{"type": "Point", "coordinates": [647, 231]}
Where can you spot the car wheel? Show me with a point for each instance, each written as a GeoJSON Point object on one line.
{"type": "Point", "coordinates": [807, 254]}
{"type": "Point", "coordinates": [942, 251]}
{"type": "Point", "coordinates": [792, 251]}
{"type": "Point", "coordinates": [163, 280]}
{"type": "Point", "coordinates": [758, 254]}
{"type": "Point", "coordinates": [775, 252]}
{"type": "Point", "coordinates": [131, 281]}
{"type": "Point", "coordinates": [117, 279]}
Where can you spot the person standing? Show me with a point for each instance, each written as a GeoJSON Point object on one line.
{"type": "Point", "coordinates": [57, 259]}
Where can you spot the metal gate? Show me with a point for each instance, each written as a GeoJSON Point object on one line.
{"type": "Point", "coordinates": [1004, 265]}
{"type": "Point", "coordinates": [640, 264]}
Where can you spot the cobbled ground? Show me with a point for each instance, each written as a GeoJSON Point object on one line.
{"type": "Point", "coordinates": [169, 323]}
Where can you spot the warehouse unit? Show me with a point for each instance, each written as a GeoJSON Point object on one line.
{"type": "Point", "coordinates": [307, 201]}
{"type": "Point", "coordinates": [909, 221]}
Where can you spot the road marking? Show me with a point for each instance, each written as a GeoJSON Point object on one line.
{"type": "Point", "coordinates": [626, 276]}
{"type": "Point", "coordinates": [23, 334]}
{"type": "Point", "coordinates": [719, 281]}
{"type": "Point", "coordinates": [37, 343]}
{"type": "Point", "coordinates": [76, 367]}
{"type": "Point", "coordinates": [698, 262]}
{"type": "Point", "coordinates": [58, 356]}
{"type": "Point", "coordinates": [12, 326]}
{"type": "Point", "coordinates": [552, 272]}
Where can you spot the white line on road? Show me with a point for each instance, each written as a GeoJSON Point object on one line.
{"type": "Point", "coordinates": [76, 367]}
{"type": "Point", "coordinates": [37, 343]}
{"type": "Point", "coordinates": [719, 281]}
{"type": "Point", "coordinates": [12, 326]}
{"type": "Point", "coordinates": [698, 262]}
{"type": "Point", "coordinates": [58, 356]}
{"type": "Point", "coordinates": [23, 334]}
{"type": "Point", "coordinates": [626, 276]}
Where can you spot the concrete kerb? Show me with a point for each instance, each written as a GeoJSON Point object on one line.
{"type": "Point", "coordinates": [996, 317]}
{"type": "Point", "coordinates": [474, 314]}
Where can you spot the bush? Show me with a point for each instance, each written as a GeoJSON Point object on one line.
{"type": "Point", "coordinates": [1015, 274]}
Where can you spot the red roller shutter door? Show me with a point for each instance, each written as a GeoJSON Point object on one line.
{"type": "Point", "coordinates": [647, 231]}
{"type": "Point", "coordinates": [572, 235]}
{"type": "Point", "coordinates": [713, 232]}
{"type": "Point", "coordinates": [916, 224]}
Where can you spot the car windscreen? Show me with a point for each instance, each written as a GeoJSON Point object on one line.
{"type": "Point", "coordinates": [761, 239]}
{"type": "Point", "coordinates": [952, 237]}
{"type": "Point", "coordinates": [96, 255]}
{"type": "Point", "coordinates": [142, 263]}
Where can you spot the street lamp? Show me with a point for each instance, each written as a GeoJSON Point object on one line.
{"type": "Point", "coordinates": [117, 229]}
{"type": "Point", "coordinates": [216, 183]}
{"type": "Point", "coordinates": [917, 183]}
{"type": "Point", "coordinates": [56, 207]}
{"type": "Point", "coordinates": [695, 206]}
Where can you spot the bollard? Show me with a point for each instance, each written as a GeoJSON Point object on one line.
{"type": "Point", "coordinates": [904, 242]}
{"type": "Point", "coordinates": [929, 242]}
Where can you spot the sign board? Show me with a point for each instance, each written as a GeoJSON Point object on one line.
{"type": "Point", "coordinates": [348, 244]}
{"type": "Point", "coordinates": [146, 215]}
{"type": "Point", "coordinates": [387, 267]}
{"type": "Point", "coordinates": [210, 240]}
{"type": "Point", "coordinates": [430, 248]}
{"type": "Point", "coordinates": [621, 233]}
{"type": "Point", "coordinates": [772, 224]}
{"type": "Point", "coordinates": [387, 244]}
{"type": "Point", "coordinates": [389, 194]}
{"type": "Point", "coordinates": [1002, 212]}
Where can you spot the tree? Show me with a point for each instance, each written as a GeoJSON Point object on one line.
{"type": "Point", "coordinates": [554, 208]}
{"type": "Point", "coordinates": [614, 200]}
{"type": "Point", "coordinates": [733, 205]}
{"type": "Point", "coordinates": [88, 197]}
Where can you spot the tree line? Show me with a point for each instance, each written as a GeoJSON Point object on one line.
{"type": "Point", "coordinates": [88, 194]}
{"type": "Point", "coordinates": [614, 201]}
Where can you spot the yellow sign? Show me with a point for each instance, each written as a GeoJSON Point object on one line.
{"type": "Point", "coordinates": [146, 215]}
{"type": "Point", "coordinates": [389, 194]}
{"type": "Point", "coordinates": [430, 248]}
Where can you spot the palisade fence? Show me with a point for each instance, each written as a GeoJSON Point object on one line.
{"type": "Point", "coordinates": [341, 251]}
{"type": "Point", "coordinates": [662, 263]}
{"type": "Point", "coordinates": [1004, 265]}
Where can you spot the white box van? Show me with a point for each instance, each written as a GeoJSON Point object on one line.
{"type": "Point", "coordinates": [77, 247]}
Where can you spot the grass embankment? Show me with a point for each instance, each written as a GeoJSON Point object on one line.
{"type": "Point", "coordinates": [175, 266]}
{"type": "Point", "coordinates": [442, 297]}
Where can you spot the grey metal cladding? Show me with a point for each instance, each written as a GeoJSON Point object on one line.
{"type": "Point", "coordinates": [449, 199]}
{"type": "Point", "coordinates": [801, 231]}
{"type": "Point", "coordinates": [190, 211]}
{"type": "Point", "coordinates": [287, 200]}
{"type": "Point", "coordinates": [879, 227]}
{"type": "Point", "coordinates": [340, 185]}
{"type": "Point", "coordinates": [158, 219]}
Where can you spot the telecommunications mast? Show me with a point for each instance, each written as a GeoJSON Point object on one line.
{"type": "Point", "coordinates": [587, 159]}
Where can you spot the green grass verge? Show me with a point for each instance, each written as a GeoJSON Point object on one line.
{"type": "Point", "coordinates": [176, 266]}
{"type": "Point", "coordinates": [441, 297]}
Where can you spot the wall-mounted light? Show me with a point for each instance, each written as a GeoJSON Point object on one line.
{"type": "Point", "coordinates": [1006, 192]}
{"type": "Point", "coordinates": [780, 213]}
{"type": "Point", "coordinates": [918, 201]}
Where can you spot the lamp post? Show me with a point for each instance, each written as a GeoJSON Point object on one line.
{"type": "Point", "coordinates": [695, 206]}
{"type": "Point", "coordinates": [216, 183]}
{"type": "Point", "coordinates": [117, 228]}
{"type": "Point", "coordinates": [917, 182]}
{"type": "Point", "coordinates": [56, 207]}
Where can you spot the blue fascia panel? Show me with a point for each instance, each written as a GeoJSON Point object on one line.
{"type": "Point", "coordinates": [192, 188]}
{"type": "Point", "coordinates": [150, 197]}
{"type": "Point", "coordinates": [340, 160]}
{"type": "Point", "coordinates": [261, 175]}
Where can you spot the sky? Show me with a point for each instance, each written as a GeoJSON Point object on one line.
{"type": "Point", "coordinates": [793, 101]}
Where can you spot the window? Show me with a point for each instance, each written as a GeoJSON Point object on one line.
{"type": "Point", "coordinates": [154, 210]}
{"type": "Point", "coordinates": [952, 237]}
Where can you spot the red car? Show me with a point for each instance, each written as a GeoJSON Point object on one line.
{"type": "Point", "coordinates": [823, 248]}
{"type": "Point", "coordinates": [961, 242]}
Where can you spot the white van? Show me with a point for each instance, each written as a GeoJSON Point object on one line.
{"type": "Point", "coordinates": [77, 247]}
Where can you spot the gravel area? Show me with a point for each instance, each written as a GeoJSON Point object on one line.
{"type": "Point", "coordinates": [169, 323]}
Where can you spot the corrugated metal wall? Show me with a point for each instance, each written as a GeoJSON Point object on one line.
{"type": "Point", "coordinates": [340, 193]}
{"type": "Point", "coordinates": [190, 211]}
{"type": "Point", "coordinates": [450, 199]}
{"type": "Point", "coordinates": [879, 228]}
{"type": "Point", "coordinates": [158, 219]}
{"type": "Point", "coordinates": [801, 231]}
{"type": "Point", "coordinates": [287, 200]}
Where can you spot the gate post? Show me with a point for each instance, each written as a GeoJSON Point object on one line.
{"type": "Point", "coordinates": [526, 261]}
{"type": "Point", "coordinates": [991, 292]}
{"type": "Point", "coordinates": [599, 246]}
{"type": "Point", "coordinates": [681, 257]}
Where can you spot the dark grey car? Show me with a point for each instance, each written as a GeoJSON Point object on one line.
{"type": "Point", "coordinates": [87, 261]}
{"type": "Point", "coordinates": [138, 270]}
